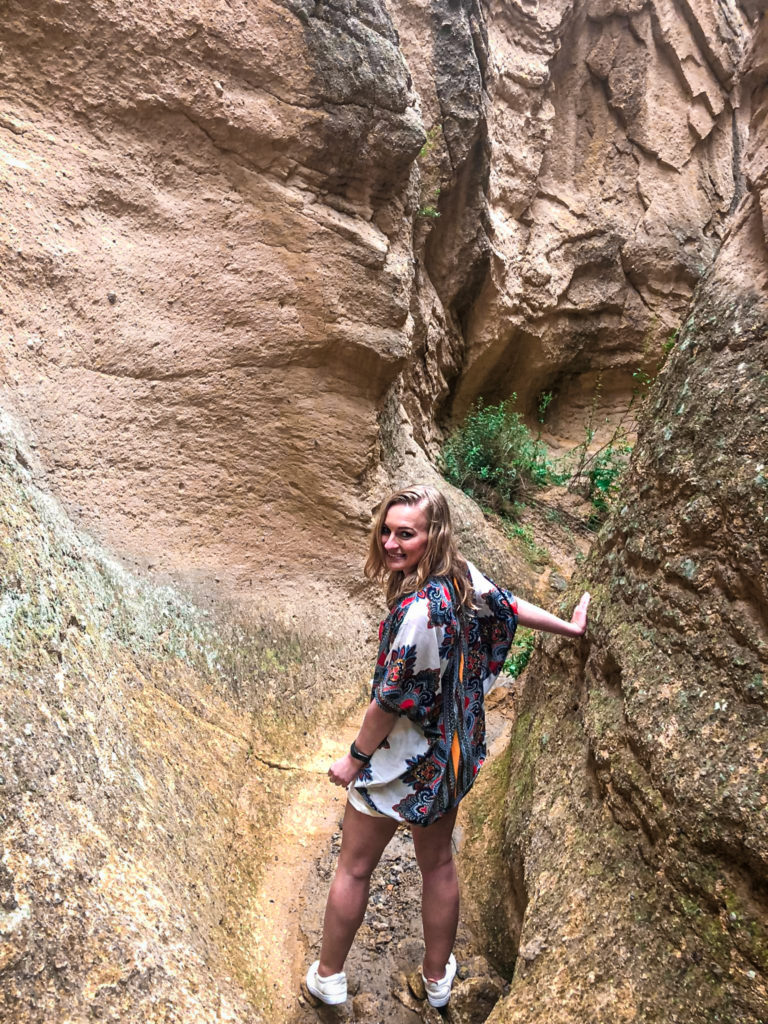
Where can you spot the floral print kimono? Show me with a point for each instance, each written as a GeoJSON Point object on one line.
{"type": "Point", "coordinates": [436, 663]}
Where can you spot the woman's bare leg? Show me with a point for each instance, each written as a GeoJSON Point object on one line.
{"type": "Point", "coordinates": [364, 839]}
{"type": "Point", "coordinates": [439, 892]}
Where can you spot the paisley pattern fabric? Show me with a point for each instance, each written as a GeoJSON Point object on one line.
{"type": "Point", "coordinates": [435, 665]}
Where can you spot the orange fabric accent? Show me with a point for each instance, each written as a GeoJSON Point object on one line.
{"type": "Point", "coordinates": [455, 749]}
{"type": "Point", "coordinates": [455, 757]}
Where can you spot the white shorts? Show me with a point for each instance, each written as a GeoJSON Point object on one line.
{"type": "Point", "coordinates": [360, 805]}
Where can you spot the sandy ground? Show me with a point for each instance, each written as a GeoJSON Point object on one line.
{"type": "Point", "coordinates": [389, 945]}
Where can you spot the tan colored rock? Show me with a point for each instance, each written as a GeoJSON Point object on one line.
{"type": "Point", "coordinates": [473, 999]}
{"type": "Point", "coordinates": [229, 323]}
{"type": "Point", "coordinates": [219, 278]}
{"type": "Point", "coordinates": [416, 984]}
{"type": "Point", "coordinates": [197, 340]}
{"type": "Point", "coordinates": [600, 229]}
{"type": "Point", "coordinates": [634, 829]}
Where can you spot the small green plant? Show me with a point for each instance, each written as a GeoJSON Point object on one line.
{"type": "Point", "coordinates": [429, 162]}
{"type": "Point", "coordinates": [604, 475]}
{"type": "Point", "coordinates": [535, 554]}
{"type": "Point", "coordinates": [543, 403]}
{"type": "Point", "coordinates": [433, 136]}
{"type": "Point", "coordinates": [596, 474]}
{"type": "Point", "coordinates": [428, 211]}
{"type": "Point", "coordinates": [493, 457]}
{"type": "Point", "coordinates": [668, 345]}
{"type": "Point", "coordinates": [642, 380]}
{"type": "Point", "coordinates": [520, 652]}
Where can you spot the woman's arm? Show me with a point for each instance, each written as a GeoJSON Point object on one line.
{"type": "Point", "coordinates": [536, 618]}
{"type": "Point", "coordinates": [377, 725]}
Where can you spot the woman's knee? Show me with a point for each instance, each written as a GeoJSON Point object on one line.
{"type": "Point", "coordinates": [359, 869]}
{"type": "Point", "coordinates": [437, 859]}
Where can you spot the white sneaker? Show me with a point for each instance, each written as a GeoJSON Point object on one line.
{"type": "Point", "coordinates": [331, 990]}
{"type": "Point", "coordinates": [439, 992]}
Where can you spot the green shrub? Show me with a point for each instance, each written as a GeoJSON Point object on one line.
{"type": "Point", "coordinates": [520, 652]}
{"type": "Point", "coordinates": [493, 457]}
{"type": "Point", "coordinates": [604, 475]}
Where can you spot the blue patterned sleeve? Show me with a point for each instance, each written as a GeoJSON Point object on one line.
{"type": "Point", "coordinates": [407, 677]}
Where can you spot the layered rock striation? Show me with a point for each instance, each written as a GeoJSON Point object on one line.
{"type": "Point", "coordinates": [598, 148]}
{"type": "Point", "coordinates": [250, 250]}
{"type": "Point", "coordinates": [255, 257]}
{"type": "Point", "coordinates": [634, 848]}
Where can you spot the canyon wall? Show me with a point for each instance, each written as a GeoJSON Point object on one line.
{"type": "Point", "coordinates": [256, 257]}
{"type": "Point", "coordinates": [252, 249]}
{"type": "Point", "coordinates": [633, 846]}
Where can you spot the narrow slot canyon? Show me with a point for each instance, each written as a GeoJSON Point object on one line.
{"type": "Point", "coordinates": [265, 261]}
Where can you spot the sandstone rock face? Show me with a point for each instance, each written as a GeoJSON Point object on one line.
{"type": "Point", "coordinates": [254, 257]}
{"type": "Point", "coordinates": [222, 268]}
{"type": "Point", "coordinates": [635, 840]}
{"type": "Point", "coordinates": [596, 149]}
{"type": "Point", "coordinates": [144, 758]}
{"type": "Point", "coordinates": [208, 272]}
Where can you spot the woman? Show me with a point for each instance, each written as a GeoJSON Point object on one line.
{"type": "Point", "coordinates": [422, 740]}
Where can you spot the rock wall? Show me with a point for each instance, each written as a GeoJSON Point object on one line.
{"type": "Point", "coordinates": [229, 302]}
{"type": "Point", "coordinates": [147, 748]}
{"type": "Point", "coordinates": [634, 843]}
{"type": "Point", "coordinates": [207, 273]}
{"type": "Point", "coordinates": [595, 149]}
{"type": "Point", "coordinates": [254, 257]}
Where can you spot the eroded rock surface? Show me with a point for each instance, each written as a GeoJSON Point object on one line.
{"type": "Point", "coordinates": [223, 268]}
{"type": "Point", "coordinates": [208, 272]}
{"type": "Point", "coordinates": [593, 183]}
{"type": "Point", "coordinates": [147, 748]}
{"type": "Point", "coordinates": [635, 846]}
{"type": "Point", "coordinates": [230, 318]}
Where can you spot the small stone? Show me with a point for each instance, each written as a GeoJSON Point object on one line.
{"type": "Point", "coordinates": [112, 298]}
{"type": "Point", "coordinates": [416, 984]}
{"type": "Point", "coordinates": [473, 1000]}
{"type": "Point", "coordinates": [219, 88]}
{"type": "Point", "coordinates": [431, 1015]}
{"type": "Point", "coordinates": [532, 949]}
{"type": "Point", "coordinates": [401, 992]}
{"type": "Point", "coordinates": [312, 1000]}
{"type": "Point", "coordinates": [366, 1007]}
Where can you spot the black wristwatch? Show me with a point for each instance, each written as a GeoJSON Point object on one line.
{"type": "Point", "coordinates": [358, 755]}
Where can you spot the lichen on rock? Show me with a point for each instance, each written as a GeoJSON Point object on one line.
{"type": "Point", "coordinates": [640, 826]}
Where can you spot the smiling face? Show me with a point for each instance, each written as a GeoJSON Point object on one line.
{"type": "Point", "coordinates": [404, 537]}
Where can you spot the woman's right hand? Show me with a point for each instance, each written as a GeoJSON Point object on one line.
{"type": "Point", "coordinates": [343, 771]}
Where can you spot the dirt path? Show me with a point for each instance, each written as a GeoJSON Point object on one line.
{"type": "Point", "coordinates": [291, 902]}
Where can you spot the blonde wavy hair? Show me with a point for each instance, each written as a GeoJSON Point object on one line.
{"type": "Point", "coordinates": [441, 556]}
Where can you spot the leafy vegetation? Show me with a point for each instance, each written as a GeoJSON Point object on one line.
{"type": "Point", "coordinates": [493, 456]}
{"type": "Point", "coordinates": [604, 476]}
{"type": "Point", "coordinates": [428, 211]}
{"type": "Point", "coordinates": [543, 403]}
{"type": "Point", "coordinates": [520, 652]}
{"type": "Point", "coordinates": [535, 554]}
